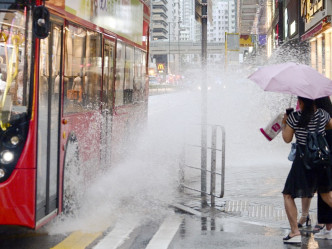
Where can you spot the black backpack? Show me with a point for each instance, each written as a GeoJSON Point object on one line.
{"type": "Point", "coordinates": [317, 151]}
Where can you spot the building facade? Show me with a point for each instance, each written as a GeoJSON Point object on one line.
{"type": "Point", "coordinates": [159, 18]}
{"type": "Point", "coordinates": [301, 31]}
{"type": "Point", "coordinates": [173, 22]}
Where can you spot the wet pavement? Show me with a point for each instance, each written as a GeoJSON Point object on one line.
{"type": "Point", "coordinates": [232, 233]}
{"type": "Point", "coordinates": [251, 214]}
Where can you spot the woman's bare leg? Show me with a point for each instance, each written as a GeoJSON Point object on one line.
{"type": "Point", "coordinates": [305, 209]}
{"type": "Point", "coordinates": [291, 212]}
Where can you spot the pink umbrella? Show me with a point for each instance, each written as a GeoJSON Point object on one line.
{"type": "Point", "coordinates": [297, 79]}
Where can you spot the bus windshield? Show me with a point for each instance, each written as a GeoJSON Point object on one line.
{"type": "Point", "coordinates": [15, 42]}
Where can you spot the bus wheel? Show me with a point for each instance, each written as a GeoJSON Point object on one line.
{"type": "Point", "coordinates": [72, 177]}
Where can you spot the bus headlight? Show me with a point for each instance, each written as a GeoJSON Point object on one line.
{"type": "Point", "coordinates": [2, 173]}
{"type": "Point", "coordinates": [7, 157]}
{"type": "Point", "coordinates": [14, 140]}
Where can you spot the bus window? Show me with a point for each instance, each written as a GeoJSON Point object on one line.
{"type": "Point", "coordinates": [74, 60]}
{"type": "Point", "coordinates": [119, 76]}
{"type": "Point", "coordinates": [108, 74]}
{"type": "Point", "coordinates": [93, 70]}
{"type": "Point", "coordinates": [129, 76]}
{"type": "Point", "coordinates": [144, 75]}
{"type": "Point", "coordinates": [14, 65]}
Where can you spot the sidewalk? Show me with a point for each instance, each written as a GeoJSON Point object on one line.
{"type": "Point", "coordinates": [210, 230]}
{"type": "Point", "coordinates": [251, 214]}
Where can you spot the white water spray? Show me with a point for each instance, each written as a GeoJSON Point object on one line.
{"type": "Point", "coordinates": [145, 183]}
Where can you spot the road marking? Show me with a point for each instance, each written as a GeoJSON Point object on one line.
{"type": "Point", "coordinates": [119, 234]}
{"type": "Point", "coordinates": [77, 240]}
{"type": "Point", "coordinates": [165, 234]}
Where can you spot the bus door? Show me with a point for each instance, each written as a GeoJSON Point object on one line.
{"type": "Point", "coordinates": [108, 96]}
{"type": "Point", "coordinates": [50, 72]}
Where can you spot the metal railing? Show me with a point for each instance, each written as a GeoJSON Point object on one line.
{"type": "Point", "coordinates": [162, 89]}
{"type": "Point", "coordinates": [213, 167]}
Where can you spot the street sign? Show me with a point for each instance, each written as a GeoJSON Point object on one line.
{"type": "Point", "coordinates": [232, 41]}
{"type": "Point", "coordinates": [198, 11]}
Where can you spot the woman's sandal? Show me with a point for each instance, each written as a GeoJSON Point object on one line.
{"type": "Point", "coordinates": [317, 228]}
{"type": "Point", "coordinates": [307, 221]}
{"type": "Point", "coordinates": [292, 240]}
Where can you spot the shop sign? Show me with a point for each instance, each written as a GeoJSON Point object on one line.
{"type": "Point", "coordinates": [310, 7]}
{"type": "Point", "coordinates": [246, 41]}
{"type": "Point", "coordinates": [161, 68]}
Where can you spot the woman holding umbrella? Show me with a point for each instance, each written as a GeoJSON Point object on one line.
{"type": "Point", "coordinates": [302, 182]}
{"type": "Point", "coordinates": [305, 81]}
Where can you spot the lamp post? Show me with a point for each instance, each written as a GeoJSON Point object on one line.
{"type": "Point", "coordinates": [204, 106]}
{"type": "Point", "coordinates": [169, 48]}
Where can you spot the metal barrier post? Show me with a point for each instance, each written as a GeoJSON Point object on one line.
{"type": "Point", "coordinates": [213, 164]}
{"type": "Point", "coordinates": [223, 149]}
{"type": "Point", "coordinates": [203, 169]}
{"type": "Point", "coordinates": [181, 170]}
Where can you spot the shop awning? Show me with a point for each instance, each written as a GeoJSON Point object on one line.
{"type": "Point", "coordinates": [312, 32]}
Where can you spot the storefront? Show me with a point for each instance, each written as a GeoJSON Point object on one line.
{"type": "Point", "coordinates": [318, 31]}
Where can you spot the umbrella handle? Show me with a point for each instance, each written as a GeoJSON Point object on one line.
{"type": "Point", "coordinates": [290, 101]}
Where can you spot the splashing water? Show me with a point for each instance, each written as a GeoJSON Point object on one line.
{"type": "Point", "coordinates": [145, 183]}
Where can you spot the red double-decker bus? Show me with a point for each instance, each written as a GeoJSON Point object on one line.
{"type": "Point", "coordinates": [73, 82]}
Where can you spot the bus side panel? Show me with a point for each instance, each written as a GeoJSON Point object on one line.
{"type": "Point", "coordinates": [128, 123]}
{"type": "Point", "coordinates": [87, 129]}
{"type": "Point", "coordinates": [17, 201]}
{"type": "Point", "coordinates": [28, 156]}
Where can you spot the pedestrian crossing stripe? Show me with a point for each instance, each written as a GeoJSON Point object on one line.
{"type": "Point", "coordinates": [119, 234]}
{"type": "Point", "coordinates": [165, 234]}
{"type": "Point", "coordinates": [78, 240]}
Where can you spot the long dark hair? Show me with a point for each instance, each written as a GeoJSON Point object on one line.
{"type": "Point", "coordinates": [307, 112]}
{"type": "Point", "coordinates": [325, 104]}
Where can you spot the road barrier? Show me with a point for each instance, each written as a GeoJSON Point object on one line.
{"type": "Point", "coordinates": [162, 89]}
{"type": "Point", "coordinates": [213, 149]}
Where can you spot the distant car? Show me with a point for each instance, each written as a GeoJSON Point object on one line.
{"type": "Point", "coordinates": [153, 81]}
{"type": "Point", "coordinates": [199, 87]}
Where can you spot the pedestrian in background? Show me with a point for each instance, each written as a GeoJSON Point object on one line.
{"type": "Point", "coordinates": [324, 213]}
{"type": "Point", "coordinates": [301, 182]}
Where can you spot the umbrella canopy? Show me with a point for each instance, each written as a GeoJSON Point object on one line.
{"type": "Point", "coordinates": [293, 78]}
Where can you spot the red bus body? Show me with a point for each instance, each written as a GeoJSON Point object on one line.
{"type": "Point", "coordinates": [18, 193]}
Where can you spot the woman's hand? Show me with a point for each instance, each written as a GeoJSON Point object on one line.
{"type": "Point", "coordinates": [284, 119]}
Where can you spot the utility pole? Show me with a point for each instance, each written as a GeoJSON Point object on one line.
{"type": "Point", "coordinates": [204, 104]}
{"type": "Point", "coordinates": [201, 16]}
{"type": "Point", "coordinates": [169, 48]}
